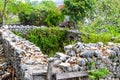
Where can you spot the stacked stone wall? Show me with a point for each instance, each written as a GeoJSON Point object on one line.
{"type": "Point", "coordinates": [78, 56]}
{"type": "Point", "coordinates": [27, 59]}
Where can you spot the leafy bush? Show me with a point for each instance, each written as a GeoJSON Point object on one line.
{"type": "Point", "coordinates": [98, 73]}
{"type": "Point", "coordinates": [50, 40]}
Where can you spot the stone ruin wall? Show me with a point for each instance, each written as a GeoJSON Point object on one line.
{"type": "Point", "coordinates": [31, 64]}
{"type": "Point", "coordinates": [77, 56]}
{"type": "Point", "coordinates": [24, 56]}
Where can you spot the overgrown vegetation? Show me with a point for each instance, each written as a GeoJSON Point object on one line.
{"type": "Point", "coordinates": [50, 40]}
{"type": "Point", "coordinates": [107, 34]}
{"type": "Point", "coordinates": [96, 74]}
{"type": "Point", "coordinates": [104, 24]}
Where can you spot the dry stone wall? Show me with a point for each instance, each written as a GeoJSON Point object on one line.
{"type": "Point", "coordinates": [24, 56]}
{"type": "Point", "coordinates": [77, 57]}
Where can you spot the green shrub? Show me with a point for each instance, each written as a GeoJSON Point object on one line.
{"type": "Point", "coordinates": [96, 74]}
{"type": "Point", "coordinates": [50, 40]}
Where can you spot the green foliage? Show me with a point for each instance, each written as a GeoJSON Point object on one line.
{"type": "Point", "coordinates": [17, 6]}
{"type": "Point", "coordinates": [46, 13]}
{"type": "Point", "coordinates": [77, 9]}
{"type": "Point", "coordinates": [102, 37]}
{"type": "Point", "coordinates": [96, 34]}
{"type": "Point", "coordinates": [50, 40]}
{"type": "Point", "coordinates": [1, 9]}
{"type": "Point", "coordinates": [105, 23]}
{"type": "Point", "coordinates": [98, 73]}
{"type": "Point", "coordinates": [93, 38]}
{"type": "Point", "coordinates": [13, 7]}
{"type": "Point", "coordinates": [108, 12]}
{"type": "Point", "coordinates": [12, 20]}
{"type": "Point", "coordinates": [91, 65]}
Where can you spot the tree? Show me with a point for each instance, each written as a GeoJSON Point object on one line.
{"type": "Point", "coordinates": [6, 7]}
{"type": "Point", "coordinates": [53, 15]}
{"type": "Point", "coordinates": [46, 13]}
{"type": "Point", "coordinates": [3, 13]}
{"type": "Point", "coordinates": [1, 10]}
{"type": "Point", "coordinates": [12, 7]}
{"type": "Point", "coordinates": [107, 13]}
{"type": "Point", "coordinates": [77, 9]}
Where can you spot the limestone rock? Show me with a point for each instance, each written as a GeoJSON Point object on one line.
{"type": "Point", "coordinates": [69, 47]}
{"type": "Point", "coordinates": [81, 62]}
{"type": "Point", "coordinates": [76, 67]}
{"type": "Point", "coordinates": [111, 44]}
{"type": "Point", "coordinates": [78, 47]}
{"type": "Point", "coordinates": [70, 53]}
{"type": "Point", "coordinates": [100, 44]}
{"type": "Point", "coordinates": [87, 54]}
{"type": "Point", "coordinates": [98, 53]}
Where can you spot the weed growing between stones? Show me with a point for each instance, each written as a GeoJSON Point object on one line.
{"type": "Point", "coordinates": [98, 73]}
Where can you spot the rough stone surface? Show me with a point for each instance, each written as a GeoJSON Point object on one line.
{"type": "Point", "coordinates": [24, 56]}
{"type": "Point", "coordinates": [19, 28]}
{"type": "Point", "coordinates": [80, 54]}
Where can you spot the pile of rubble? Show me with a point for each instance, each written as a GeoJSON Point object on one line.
{"type": "Point", "coordinates": [78, 56]}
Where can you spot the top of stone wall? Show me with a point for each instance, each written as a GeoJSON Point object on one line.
{"type": "Point", "coordinates": [19, 28]}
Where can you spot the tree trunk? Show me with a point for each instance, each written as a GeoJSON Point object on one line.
{"type": "Point", "coordinates": [4, 9]}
